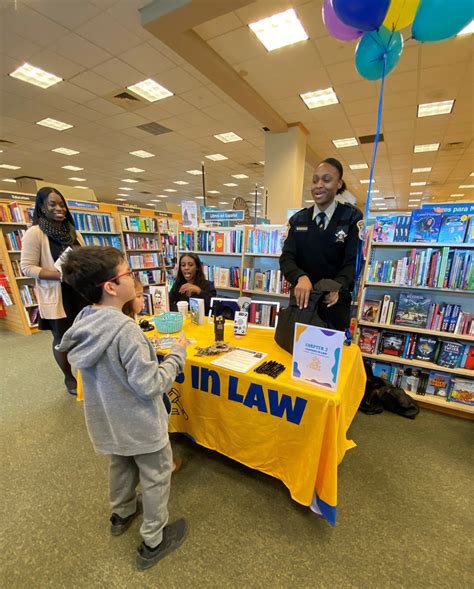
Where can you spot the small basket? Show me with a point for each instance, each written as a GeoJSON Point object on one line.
{"type": "Point", "coordinates": [168, 322]}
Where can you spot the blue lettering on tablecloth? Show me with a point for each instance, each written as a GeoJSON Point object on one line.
{"type": "Point", "coordinates": [278, 405]}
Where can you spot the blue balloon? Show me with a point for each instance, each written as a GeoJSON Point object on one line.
{"type": "Point", "coordinates": [375, 47]}
{"type": "Point", "coordinates": [364, 15]}
{"type": "Point", "coordinates": [436, 20]}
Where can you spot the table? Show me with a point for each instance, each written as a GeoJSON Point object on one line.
{"type": "Point", "coordinates": [290, 430]}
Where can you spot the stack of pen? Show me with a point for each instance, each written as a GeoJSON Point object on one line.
{"type": "Point", "coordinates": [270, 368]}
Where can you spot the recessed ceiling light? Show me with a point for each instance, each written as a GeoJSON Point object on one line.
{"type": "Point", "coordinates": [155, 200]}
{"type": "Point", "coordinates": [471, 174]}
{"type": "Point", "coordinates": [121, 199]}
{"type": "Point", "coordinates": [162, 195]}
{"type": "Point", "coordinates": [228, 137]}
{"type": "Point", "coordinates": [125, 188]}
{"type": "Point", "coordinates": [457, 194]}
{"type": "Point", "coordinates": [54, 124]}
{"type": "Point", "coordinates": [374, 191]}
{"type": "Point", "coordinates": [230, 184]}
{"type": "Point", "coordinates": [72, 168]}
{"type": "Point", "coordinates": [213, 192]}
{"type": "Point", "coordinates": [431, 109]}
{"type": "Point", "coordinates": [239, 176]}
{"type": "Point", "coordinates": [170, 190]}
{"type": "Point", "coordinates": [262, 162]}
{"type": "Point", "coordinates": [414, 199]}
{"type": "Point", "coordinates": [199, 197]}
{"type": "Point", "coordinates": [378, 198]}
{"type": "Point", "coordinates": [129, 180]}
{"type": "Point", "coordinates": [347, 142]}
{"type": "Point", "coordinates": [65, 151]}
{"type": "Point", "coordinates": [319, 98]}
{"type": "Point", "coordinates": [367, 181]}
{"type": "Point", "coordinates": [279, 30]}
{"type": "Point", "coordinates": [415, 193]}
{"type": "Point", "coordinates": [9, 180]}
{"type": "Point", "coordinates": [467, 30]}
{"type": "Point", "coordinates": [420, 170]}
{"type": "Point", "coordinates": [9, 167]}
{"type": "Point", "coordinates": [134, 170]}
{"type": "Point", "coordinates": [141, 153]}
{"type": "Point", "coordinates": [35, 75]}
{"type": "Point", "coordinates": [466, 186]}
{"type": "Point", "coordinates": [215, 157]}
{"type": "Point", "coordinates": [77, 179]}
{"type": "Point", "coordinates": [150, 90]}
{"type": "Point", "coordinates": [426, 147]}
{"type": "Point", "coordinates": [414, 205]}
{"type": "Point", "coordinates": [121, 194]}
{"type": "Point", "coordinates": [82, 187]}
{"type": "Point", "coordinates": [180, 182]}
{"type": "Point", "coordinates": [211, 207]}
{"type": "Point", "coordinates": [223, 202]}
{"type": "Point", "coordinates": [258, 194]}
{"type": "Point", "coordinates": [358, 166]}
{"type": "Point", "coordinates": [194, 172]}
{"type": "Point", "coordinates": [417, 183]}
{"type": "Point", "coordinates": [312, 201]}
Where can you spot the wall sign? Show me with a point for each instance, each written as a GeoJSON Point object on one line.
{"type": "Point", "coordinates": [127, 209]}
{"type": "Point", "coordinates": [82, 204]}
{"type": "Point", "coordinates": [13, 196]}
{"type": "Point", "coordinates": [224, 215]}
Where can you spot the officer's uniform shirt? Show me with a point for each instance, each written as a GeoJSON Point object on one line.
{"type": "Point", "coordinates": [328, 212]}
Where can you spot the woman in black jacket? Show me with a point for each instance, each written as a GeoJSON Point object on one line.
{"type": "Point", "coordinates": [191, 282]}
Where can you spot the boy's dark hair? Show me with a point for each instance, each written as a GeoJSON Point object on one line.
{"type": "Point", "coordinates": [88, 267]}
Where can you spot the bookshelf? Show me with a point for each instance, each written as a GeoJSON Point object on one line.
{"type": "Point", "coordinates": [415, 304]}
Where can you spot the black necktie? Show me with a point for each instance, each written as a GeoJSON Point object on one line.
{"type": "Point", "coordinates": [320, 220]}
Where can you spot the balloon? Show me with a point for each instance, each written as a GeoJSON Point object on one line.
{"type": "Point", "coordinates": [335, 26]}
{"type": "Point", "coordinates": [440, 19]}
{"type": "Point", "coordinates": [400, 14]}
{"type": "Point", "coordinates": [364, 15]}
{"type": "Point", "coordinates": [370, 51]}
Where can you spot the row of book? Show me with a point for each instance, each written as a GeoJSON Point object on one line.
{"type": "Point", "coordinates": [229, 242]}
{"type": "Point", "coordinates": [265, 241]}
{"type": "Point", "coordinates": [151, 260]}
{"type": "Point", "coordinates": [167, 226]}
{"type": "Point", "coordinates": [434, 268]}
{"type": "Point", "coordinates": [168, 248]}
{"type": "Point", "coordinates": [28, 294]}
{"type": "Point", "coordinates": [140, 242]}
{"type": "Point", "coordinates": [425, 225]}
{"type": "Point", "coordinates": [97, 223]}
{"type": "Point", "coordinates": [139, 224]}
{"type": "Point", "coordinates": [426, 348]}
{"type": "Point", "coordinates": [32, 315]}
{"type": "Point", "coordinates": [269, 281]}
{"type": "Point", "coordinates": [263, 314]}
{"type": "Point", "coordinates": [14, 239]}
{"type": "Point", "coordinates": [12, 213]}
{"type": "Point", "coordinates": [155, 276]}
{"type": "Point", "coordinates": [223, 277]}
{"type": "Point", "coordinates": [422, 382]}
{"type": "Point", "coordinates": [17, 271]}
{"type": "Point", "coordinates": [103, 240]}
{"type": "Point", "coordinates": [418, 310]}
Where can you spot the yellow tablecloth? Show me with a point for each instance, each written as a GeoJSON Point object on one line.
{"type": "Point", "coordinates": [287, 429]}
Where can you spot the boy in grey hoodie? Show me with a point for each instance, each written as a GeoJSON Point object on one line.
{"type": "Point", "coordinates": [125, 397]}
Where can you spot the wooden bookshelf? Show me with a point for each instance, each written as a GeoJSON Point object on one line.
{"type": "Point", "coordinates": [419, 364]}
{"type": "Point", "coordinates": [442, 334]}
{"type": "Point", "coordinates": [200, 253]}
{"type": "Point", "coordinates": [420, 244]}
{"type": "Point", "coordinates": [442, 404]}
{"type": "Point", "coordinates": [405, 286]}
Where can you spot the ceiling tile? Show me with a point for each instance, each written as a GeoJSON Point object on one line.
{"type": "Point", "coordinates": [27, 23]}
{"type": "Point", "coordinates": [147, 60]}
{"type": "Point", "coordinates": [104, 31]}
{"type": "Point", "coordinates": [95, 83]}
{"type": "Point", "coordinates": [119, 72]}
{"type": "Point", "coordinates": [68, 14]}
{"type": "Point", "coordinates": [80, 50]}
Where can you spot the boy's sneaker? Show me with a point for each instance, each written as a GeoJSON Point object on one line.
{"type": "Point", "coordinates": [119, 525]}
{"type": "Point", "coordinates": [173, 536]}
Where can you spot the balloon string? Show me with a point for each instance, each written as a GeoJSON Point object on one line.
{"type": "Point", "coordinates": [372, 166]}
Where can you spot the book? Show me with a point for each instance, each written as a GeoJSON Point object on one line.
{"type": "Point", "coordinates": [384, 229]}
{"type": "Point", "coordinates": [412, 309]}
{"type": "Point", "coordinates": [160, 299]}
{"type": "Point", "coordinates": [392, 343]}
{"type": "Point", "coordinates": [438, 383]}
{"type": "Point", "coordinates": [371, 311]}
{"type": "Point", "coordinates": [381, 370]}
{"type": "Point", "coordinates": [449, 354]}
{"type": "Point", "coordinates": [368, 340]}
{"type": "Point", "coordinates": [219, 242]}
{"type": "Point", "coordinates": [384, 309]}
{"type": "Point", "coordinates": [462, 391]}
{"type": "Point", "coordinates": [425, 226]}
{"type": "Point", "coordinates": [197, 311]}
{"type": "Point", "coordinates": [453, 228]}
{"type": "Point", "coordinates": [468, 362]}
{"type": "Point", "coordinates": [402, 229]}
{"type": "Point", "coordinates": [425, 348]}
{"type": "Point", "coordinates": [411, 380]}
{"type": "Point", "coordinates": [259, 281]}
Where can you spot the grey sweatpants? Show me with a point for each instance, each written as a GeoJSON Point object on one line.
{"type": "Point", "coordinates": [154, 473]}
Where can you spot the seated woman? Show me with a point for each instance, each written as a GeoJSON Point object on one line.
{"type": "Point", "coordinates": [191, 282]}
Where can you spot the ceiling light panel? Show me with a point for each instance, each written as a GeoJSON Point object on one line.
{"type": "Point", "coordinates": [213, 192]}
{"type": "Point", "coordinates": [150, 90]}
{"type": "Point", "coordinates": [231, 184]}
{"type": "Point", "coordinates": [466, 186]}
{"type": "Point", "coordinates": [279, 30]}
{"type": "Point", "coordinates": [421, 170]}
{"type": "Point", "coordinates": [457, 194]}
{"type": "Point", "coordinates": [194, 172]}
{"type": "Point", "coordinates": [65, 151]}
{"type": "Point", "coordinates": [358, 166]}
{"type": "Point", "coordinates": [415, 193]}
{"type": "Point", "coordinates": [180, 182]}
{"type": "Point", "coordinates": [199, 197]}
{"type": "Point", "coordinates": [228, 137]}
{"type": "Point", "coordinates": [431, 109]}
{"type": "Point", "coordinates": [9, 167]}
{"type": "Point", "coordinates": [417, 183]}
{"type": "Point", "coordinates": [129, 180]}
{"type": "Point", "coordinates": [76, 179]}
{"type": "Point", "coordinates": [239, 176]}
{"type": "Point", "coordinates": [134, 170]}
{"type": "Point", "coordinates": [121, 199]}
{"type": "Point", "coordinates": [141, 153]}
{"type": "Point", "coordinates": [170, 190]}
{"type": "Point", "coordinates": [72, 168]}
{"type": "Point", "coordinates": [82, 187]}
{"type": "Point", "coordinates": [35, 75]}
{"type": "Point", "coordinates": [216, 157]}
{"type": "Point", "coordinates": [11, 180]}
{"type": "Point", "coordinates": [366, 181]}
{"type": "Point", "coordinates": [125, 188]}
{"type": "Point", "coordinates": [319, 98]}
{"type": "Point", "coordinates": [426, 147]}
{"type": "Point", "coordinates": [347, 142]}
{"type": "Point", "coordinates": [54, 124]}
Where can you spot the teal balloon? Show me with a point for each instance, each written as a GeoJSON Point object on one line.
{"type": "Point", "coordinates": [375, 47]}
{"type": "Point", "coordinates": [436, 20]}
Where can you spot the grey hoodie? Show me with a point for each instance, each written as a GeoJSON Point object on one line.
{"type": "Point", "coordinates": [122, 380]}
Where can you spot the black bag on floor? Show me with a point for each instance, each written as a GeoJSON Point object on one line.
{"type": "Point", "coordinates": [380, 394]}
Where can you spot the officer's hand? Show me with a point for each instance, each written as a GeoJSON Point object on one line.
{"type": "Point", "coordinates": [331, 298]}
{"type": "Point", "coordinates": [302, 291]}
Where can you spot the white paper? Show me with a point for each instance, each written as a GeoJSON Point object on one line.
{"type": "Point", "coordinates": [239, 360]}
{"type": "Point", "coordinates": [58, 264]}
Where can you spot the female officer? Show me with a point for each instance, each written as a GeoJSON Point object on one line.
{"type": "Point", "coordinates": [322, 242]}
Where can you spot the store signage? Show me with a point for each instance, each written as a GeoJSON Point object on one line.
{"type": "Point", "coordinates": [13, 196]}
{"type": "Point", "coordinates": [224, 215]}
{"type": "Point", "coordinates": [163, 214]}
{"type": "Point", "coordinates": [127, 209]}
{"type": "Point", "coordinates": [82, 204]}
{"type": "Point", "coordinates": [189, 213]}
{"type": "Point", "coordinates": [460, 208]}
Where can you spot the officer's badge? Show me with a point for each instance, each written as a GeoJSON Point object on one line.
{"type": "Point", "coordinates": [360, 227]}
{"type": "Point", "coordinates": [340, 236]}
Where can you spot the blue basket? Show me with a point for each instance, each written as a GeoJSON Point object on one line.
{"type": "Point", "coordinates": [168, 322]}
